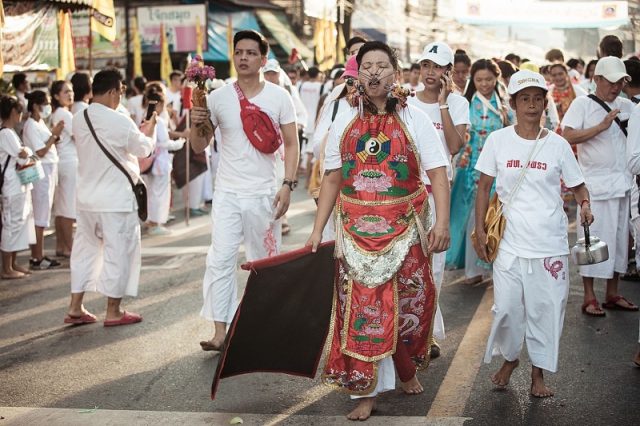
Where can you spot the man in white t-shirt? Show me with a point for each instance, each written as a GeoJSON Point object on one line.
{"type": "Point", "coordinates": [414, 82]}
{"type": "Point", "coordinates": [248, 201]}
{"type": "Point", "coordinates": [601, 143]}
{"type": "Point", "coordinates": [106, 247]}
{"type": "Point", "coordinates": [449, 113]}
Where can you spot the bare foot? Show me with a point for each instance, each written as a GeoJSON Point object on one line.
{"type": "Point", "coordinates": [12, 275]}
{"type": "Point", "coordinates": [363, 410]}
{"type": "Point", "coordinates": [212, 345]}
{"type": "Point", "coordinates": [412, 386]}
{"type": "Point", "coordinates": [538, 388]}
{"type": "Point", "coordinates": [502, 376]}
{"type": "Point", "coordinates": [22, 269]}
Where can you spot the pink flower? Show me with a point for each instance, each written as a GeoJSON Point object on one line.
{"type": "Point", "coordinates": [372, 181]}
{"type": "Point", "coordinates": [372, 225]}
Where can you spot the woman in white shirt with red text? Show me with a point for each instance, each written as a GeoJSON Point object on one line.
{"type": "Point", "coordinates": [37, 136]}
{"type": "Point", "coordinates": [530, 273]}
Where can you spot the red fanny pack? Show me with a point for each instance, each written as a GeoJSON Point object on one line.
{"type": "Point", "coordinates": [260, 129]}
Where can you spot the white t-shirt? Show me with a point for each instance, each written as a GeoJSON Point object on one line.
{"type": "Point", "coordinates": [10, 145]}
{"type": "Point", "coordinates": [78, 107]}
{"type": "Point", "coordinates": [35, 135]}
{"type": "Point", "coordinates": [135, 109]}
{"type": "Point", "coordinates": [603, 158]}
{"type": "Point", "coordinates": [458, 109]}
{"type": "Point", "coordinates": [66, 147]}
{"type": "Point", "coordinates": [101, 186]}
{"type": "Point", "coordinates": [424, 136]}
{"type": "Point", "coordinates": [416, 88]}
{"type": "Point", "coordinates": [310, 95]}
{"type": "Point", "coordinates": [175, 99]}
{"type": "Point", "coordinates": [633, 141]}
{"type": "Point", "coordinates": [536, 222]}
{"type": "Point", "coordinates": [243, 169]}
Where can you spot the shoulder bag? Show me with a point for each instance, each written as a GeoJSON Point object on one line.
{"type": "Point", "coordinates": [494, 220]}
{"type": "Point", "coordinates": [622, 124]}
{"type": "Point", "coordinates": [139, 189]}
{"type": "Point", "coordinates": [261, 130]}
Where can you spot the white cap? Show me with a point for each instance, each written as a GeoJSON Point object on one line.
{"type": "Point", "coordinates": [438, 52]}
{"type": "Point", "coordinates": [271, 65]}
{"type": "Point", "coordinates": [612, 69]}
{"type": "Point", "coordinates": [525, 78]}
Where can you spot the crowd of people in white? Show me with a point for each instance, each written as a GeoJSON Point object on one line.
{"type": "Point", "coordinates": [587, 141]}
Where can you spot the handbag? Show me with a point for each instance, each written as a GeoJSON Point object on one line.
{"type": "Point", "coordinates": [139, 189]}
{"type": "Point", "coordinates": [494, 221]}
{"type": "Point", "coordinates": [260, 129]}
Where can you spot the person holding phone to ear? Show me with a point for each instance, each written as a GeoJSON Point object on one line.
{"type": "Point", "coordinates": [449, 113]}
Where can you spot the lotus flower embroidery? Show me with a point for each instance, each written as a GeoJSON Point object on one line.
{"type": "Point", "coordinates": [372, 225]}
{"type": "Point", "coordinates": [372, 181]}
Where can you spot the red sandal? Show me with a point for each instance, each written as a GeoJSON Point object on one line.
{"type": "Point", "coordinates": [613, 304]}
{"type": "Point", "coordinates": [594, 303]}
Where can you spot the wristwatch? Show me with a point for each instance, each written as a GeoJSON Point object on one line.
{"type": "Point", "coordinates": [290, 183]}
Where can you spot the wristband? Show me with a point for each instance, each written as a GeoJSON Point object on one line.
{"type": "Point", "coordinates": [585, 201]}
{"type": "Point", "coordinates": [445, 106]}
{"type": "Point", "coordinates": [290, 183]}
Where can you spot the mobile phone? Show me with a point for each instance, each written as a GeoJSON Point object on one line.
{"type": "Point", "coordinates": [151, 108]}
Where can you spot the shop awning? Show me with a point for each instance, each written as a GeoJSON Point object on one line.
{"type": "Point", "coordinates": [277, 24]}
{"type": "Point", "coordinates": [217, 32]}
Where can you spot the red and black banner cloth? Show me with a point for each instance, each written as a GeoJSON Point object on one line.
{"type": "Point", "coordinates": [282, 322]}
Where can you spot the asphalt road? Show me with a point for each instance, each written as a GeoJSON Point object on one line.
{"type": "Point", "coordinates": [155, 373]}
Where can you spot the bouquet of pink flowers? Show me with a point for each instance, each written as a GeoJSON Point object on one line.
{"type": "Point", "coordinates": [197, 72]}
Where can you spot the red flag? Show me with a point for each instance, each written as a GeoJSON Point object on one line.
{"type": "Point", "coordinates": [294, 57]}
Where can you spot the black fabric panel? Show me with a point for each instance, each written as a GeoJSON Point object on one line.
{"type": "Point", "coordinates": [283, 319]}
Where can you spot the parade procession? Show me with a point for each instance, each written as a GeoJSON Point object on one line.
{"type": "Point", "coordinates": [279, 212]}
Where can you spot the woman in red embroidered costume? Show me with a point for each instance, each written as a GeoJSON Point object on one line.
{"type": "Point", "coordinates": [384, 298]}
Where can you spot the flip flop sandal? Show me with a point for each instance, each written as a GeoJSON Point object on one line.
{"type": "Point", "coordinates": [594, 303]}
{"type": "Point", "coordinates": [86, 318]}
{"type": "Point", "coordinates": [127, 318]}
{"type": "Point", "coordinates": [613, 304]}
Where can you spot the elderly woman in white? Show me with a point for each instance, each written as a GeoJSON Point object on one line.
{"type": "Point", "coordinates": [530, 273]}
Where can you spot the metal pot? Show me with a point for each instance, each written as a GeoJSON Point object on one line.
{"type": "Point", "coordinates": [589, 250]}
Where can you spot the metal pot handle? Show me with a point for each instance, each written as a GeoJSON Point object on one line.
{"type": "Point", "coordinates": [587, 238]}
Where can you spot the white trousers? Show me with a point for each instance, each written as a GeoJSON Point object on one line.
{"type": "Point", "coordinates": [437, 269]}
{"type": "Point", "coordinates": [195, 191]}
{"type": "Point", "coordinates": [64, 201]}
{"type": "Point", "coordinates": [42, 195]}
{"type": "Point", "coordinates": [634, 223]}
{"type": "Point", "coordinates": [611, 225]}
{"type": "Point", "coordinates": [234, 220]}
{"type": "Point", "coordinates": [17, 223]}
{"type": "Point", "coordinates": [159, 197]}
{"type": "Point", "coordinates": [106, 253]}
{"type": "Point", "coordinates": [471, 268]}
{"type": "Point", "coordinates": [386, 378]}
{"type": "Point", "coordinates": [530, 297]}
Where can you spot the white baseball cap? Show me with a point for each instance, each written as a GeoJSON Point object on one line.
{"type": "Point", "coordinates": [525, 78]}
{"type": "Point", "coordinates": [612, 69]}
{"type": "Point", "coordinates": [272, 65]}
{"type": "Point", "coordinates": [438, 52]}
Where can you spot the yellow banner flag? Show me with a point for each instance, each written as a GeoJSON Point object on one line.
{"type": "Point", "coordinates": [166, 67]}
{"type": "Point", "coordinates": [67, 58]}
{"type": "Point", "coordinates": [199, 39]}
{"type": "Point", "coordinates": [342, 46]}
{"type": "Point", "coordinates": [232, 69]}
{"type": "Point", "coordinates": [137, 48]}
{"type": "Point", "coordinates": [103, 18]}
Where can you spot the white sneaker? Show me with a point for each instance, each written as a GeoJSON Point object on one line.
{"type": "Point", "coordinates": [158, 231]}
